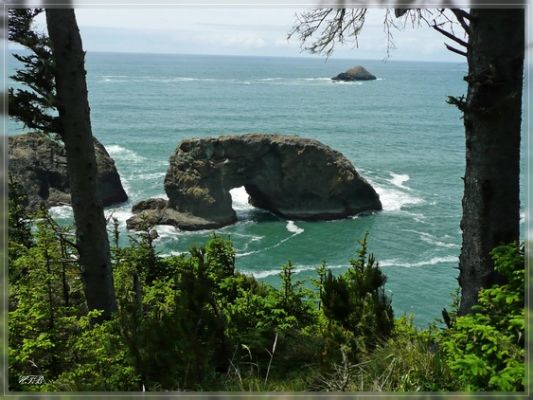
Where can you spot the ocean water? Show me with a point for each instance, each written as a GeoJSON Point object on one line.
{"type": "Point", "coordinates": [397, 130]}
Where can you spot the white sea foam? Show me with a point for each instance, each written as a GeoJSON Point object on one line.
{"type": "Point", "coordinates": [305, 81]}
{"type": "Point", "coordinates": [433, 261]}
{"type": "Point", "coordinates": [121, 153]}
{"type": "Point", "coordinates": [121, 215]}
{"type": "Point", "coordinates": [173, 253]}
{"type": "Point", "coordinates": [115, 76]}
{"type": "Point", "coordinates": [357, 83]}
{"type": "Point", "coordinates": [434, 240]}
{"type": "Point", "coordinates": [65, 212]}
{"type": "Point", "coordinates": [166, 231]}
{"type": "Point", "coordinates": [151, 175]}
{"type": "Point", "coordinates": [61, 212]}
{"type": "Point", "coordinates": [297, 269]}
{"type": "Point", "coordinates": [239, 198]}
{"type": "Point", "coordinates": [293, 228]}
{"type": "Point", "coordinates": [184, 79]}
{"type": "Point", "coordinates": [318, 79]}
{"type": "Point", "coordinates": [247, 253]}
{"type": "Point", "coordinates": [394, 199]}
{"type": "Point", "coordinates": [253, 238]}
{"type": "Point", "coordinates": [399, 180]}
{"type": "Point", "coordinates": [125, 184]}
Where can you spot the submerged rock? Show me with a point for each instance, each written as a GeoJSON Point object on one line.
{"type": "Point", "coordinates": [148, 213]}
{"type": "Point", "coordinates": [39, 164]}
{"type": "Point", "coordinates": [292, 177]}
{"type": "Point", "coordinates": [357, 73]}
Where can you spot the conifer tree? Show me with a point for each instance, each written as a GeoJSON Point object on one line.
{"type": "Point", "coordinates": [55, 101]}
{"type": "Point", "coordinates": [357, 300]}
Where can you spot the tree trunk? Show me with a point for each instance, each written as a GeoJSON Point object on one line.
{"type": "Point", "coordinates": [74, 116]}
{"type": "Point", "coordinates": [492, 118]}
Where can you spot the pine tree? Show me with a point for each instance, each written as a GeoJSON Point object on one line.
{"type": "Point", "coordinates": [357, 300]}
{"type": "Point", "coordinates": [57, 103]}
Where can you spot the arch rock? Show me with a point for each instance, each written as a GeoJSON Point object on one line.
{"type": "Point", "coordinates": [293, 177]}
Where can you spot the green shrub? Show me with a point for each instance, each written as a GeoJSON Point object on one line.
{"type": "Point", "coordinates": [357, 301]}
{"type": "Point", "coordinates": [485, 349]}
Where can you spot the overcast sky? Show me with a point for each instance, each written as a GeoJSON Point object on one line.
{"type": "Point", "coordinates": [239, 31]}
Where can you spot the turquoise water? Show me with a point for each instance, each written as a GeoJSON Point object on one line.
{"type": "Point", "coordinates": [398, 131]}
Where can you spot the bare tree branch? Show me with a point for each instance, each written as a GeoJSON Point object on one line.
{"type": "Point", "coordinates": [320, 29]}
{"type": "Point", "coordinates": [329, 25]}
{"type": "Point", "coordinates": [450, 36]}
{"type": "Point", "coordinates": [460, 15]}
{"type": "Point", "coordinates": [454, 50]}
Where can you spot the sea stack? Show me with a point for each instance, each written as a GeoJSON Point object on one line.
{"type": "Point", "coordinates": [39, 164]}
{"type": "Point", "coordinates": [357, 73]}
{"type": "Point", "coordinates": [290, 176]}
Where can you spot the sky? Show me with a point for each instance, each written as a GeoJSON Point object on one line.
{"type": "Point", "coordinates": [240, 30]}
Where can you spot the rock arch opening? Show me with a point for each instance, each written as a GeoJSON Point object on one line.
{"type": "Point", "coordinates": [292, 177]}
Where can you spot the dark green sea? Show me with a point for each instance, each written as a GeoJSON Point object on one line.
{"type": "Point", "coordinates": [398, 131]}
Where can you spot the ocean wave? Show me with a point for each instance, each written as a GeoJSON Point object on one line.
{"type": "Point", "coordinates": [358, 83]}
{"type": "Point", "coordinates": [125, 184]}
{"type": "Point", "coordinates": [305, 81]}
{"type": "Point", "coordinates": [399, 180]}
{"type": "Point", "coordinates": [173, 253]}
{"type": "Point", "coordinates": [297, 270]}
{"type": "Point", "coordinates": [65, 212]}
{"type": "Point", "coordinates": [156, 79]}
{"type": "Point", "coordinates": [151, 175]}
{"type": "Point", "coordinates": [253, 238]}
{"type": "Point", "coordinates": [61, 212]}
{"type": "Point", "coordinates": [318, 79]}
{"type": "Point", "coordinates": [121, 153]}
{"type": "Point", "coordinates": [116, 76]}
{"type": "Point", "coordinates": [434, 240]}
{"type": "Point", "coordinates": [121, 215]}
{"type": "Point", "coordinates": [433, 261]}
{"type": "Point", "coordinates": [181, 79]}
{"type": "Point", "coordinates": [239, 202]}
{"type": "Point", "coordinates": [293, 228]}
{"type": "Point", "coordinates": [395, 200]}
{"type": "Point", "coordinates": [190, 79]}
{"type": "Point", "coordinates": [166, 231]}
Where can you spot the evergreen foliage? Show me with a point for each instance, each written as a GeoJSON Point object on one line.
{"type": "Point", "coordinates": [35, 108]}
{"type": "Point", "coordinates": [19, 228]}
{"type": "Point", "coordinates": [192, 322]}
{"type": "Point", "coordinates": [485, 349]}
{"type": "Point", "coordinates": [357, 301]}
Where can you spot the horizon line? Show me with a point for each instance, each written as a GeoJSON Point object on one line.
{"type": "Point", "coordinates": [308, 57]}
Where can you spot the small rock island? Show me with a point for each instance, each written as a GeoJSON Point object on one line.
{"type": "Point", "coordinates": [39, 164]}
{"type": "Point", "coordinates": [357, 73]}
{"type": "Point", "coordinates": [290, 176]}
